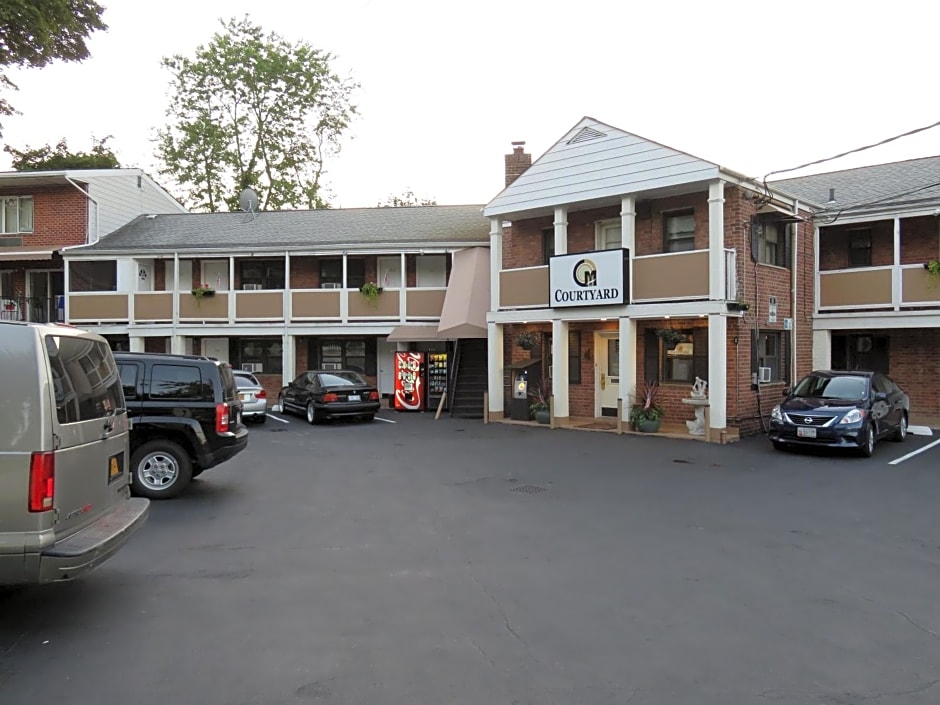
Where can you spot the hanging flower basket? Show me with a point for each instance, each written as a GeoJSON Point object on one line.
{"type": "Point", "coordinates": [527, 340]}
{"type": "Point", "coordinates": [371, 291]}
{"type": "Point", "coordinates": [204, 290]}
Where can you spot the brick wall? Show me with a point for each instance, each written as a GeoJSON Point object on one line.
{"type": "Point", "coordinates": [834, 244]}
{"type": "Point", "coordinates": [913, 363]}
{"type": "Point", "coordinates": [920, 239]}
{"type": "Point", "coordinates": [60, 216]}
{"type": "Point", "coordinates": [156, 344]}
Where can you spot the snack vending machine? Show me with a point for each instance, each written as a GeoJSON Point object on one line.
{"type": "Point", "coordinates": [436, 379]}
{"type": "Point", "coordinates": [409, 381]}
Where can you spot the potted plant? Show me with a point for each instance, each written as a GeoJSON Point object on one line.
{"type": "Point", "coordinates": [527, 340]}
{"type": "Point", "coordinates": [738, 305]}
{"type": "Point", "coordinates": [371, 291]}
{"type": "Point", "coordinates": [538, 408]}
{"type": "Point", "coordinates": [203, 290]}
{"type": "Point", "coordinates": [646, 413]}
{"type": "Point", "coordinates": [670, 336]}
{"type": "Point", "coordinates": [933, 272]}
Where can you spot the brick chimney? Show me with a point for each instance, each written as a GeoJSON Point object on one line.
{"type": "Point", "coordinates": [517, 162]}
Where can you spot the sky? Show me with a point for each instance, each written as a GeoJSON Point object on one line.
{"type": "Point", "coordinates": [446, 87]}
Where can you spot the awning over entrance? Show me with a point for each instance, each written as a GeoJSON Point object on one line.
{"type": "Point", "coordinates": [414, 334]}
{"type": "Point", "coordinates": [14, 254]}
{"type": "Point", "coordinates": [468, 295]}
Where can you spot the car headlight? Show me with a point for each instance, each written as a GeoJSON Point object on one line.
{"type": "Point", "coordinates": [854, 416]}
{"type": "Point", "coordinates": [776, 414]}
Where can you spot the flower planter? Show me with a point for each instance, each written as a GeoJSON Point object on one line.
{"type": "Point", "coordinates": [542, 416]}
{"type": "Point", "coordinates": [647, 425]}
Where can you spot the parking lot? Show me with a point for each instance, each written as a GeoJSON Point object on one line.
{"type": "Point", "coordinates": [418, 561]}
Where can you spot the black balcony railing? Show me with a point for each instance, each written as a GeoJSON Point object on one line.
{"type": "Point", "coordinates": [38, 309]}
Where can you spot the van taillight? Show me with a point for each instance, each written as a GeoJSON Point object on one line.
{"type": "Point", "coordinates": [221, 418]}
{"type": "Point", "coordinates": [41, 481]}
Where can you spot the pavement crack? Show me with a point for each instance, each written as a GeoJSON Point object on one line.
{"type": "Point", "coordinates": [916, 625]}
{"type": "Point", "coordinates": [485, 656]}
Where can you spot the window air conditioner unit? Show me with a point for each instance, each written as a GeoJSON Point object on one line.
{"type": "Point", "coordinates": [253, 367]}
{"type": "Point", "coordinates": [251, 287]}
{"type": "Point", "coordinates": [763, 374]}
{"type": "Point", "coordinates": [331, 285]}
{"type": "Point", "coordinates": [332, 366]}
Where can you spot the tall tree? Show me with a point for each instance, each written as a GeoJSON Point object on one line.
{"type": "Point", "coordinates": [253, 110]}
{"type": "Point", "coordinates": [47, 158]}
{"type": "Point", "coordinates": [408, 198]}
{"type": "Point", "coordinates": [35, 32]}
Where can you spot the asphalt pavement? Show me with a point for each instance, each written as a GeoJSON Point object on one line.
{"type": "Point", "coordinates": [427, 562]}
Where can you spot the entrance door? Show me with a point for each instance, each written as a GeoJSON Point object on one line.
{"type": "Point", "coordinates": [607, 383]}
{"type": "Point", "coordinates": [386, 355]}
{"type": "Point", "coordinates": [43, 291]}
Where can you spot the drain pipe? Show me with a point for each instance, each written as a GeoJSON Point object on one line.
{"type": "Point", "coordinates": [87, 195]}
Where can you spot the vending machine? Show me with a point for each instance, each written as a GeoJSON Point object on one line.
{"type": "Point", "coordinates": [436, 379]}
{"type": "Point", "coordinates": [409, 381]}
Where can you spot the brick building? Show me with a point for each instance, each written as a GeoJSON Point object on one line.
{"type": "Point", "coordinates": [634, 262]}
{"type": "Point", "coordinates": [46, 211]}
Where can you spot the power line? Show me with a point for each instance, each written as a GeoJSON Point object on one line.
{"type": "Point", "coordinates": [890, 197]}
{"type": "Point", "coordinates": [853, 151]}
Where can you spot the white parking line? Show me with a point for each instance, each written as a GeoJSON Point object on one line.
{"type": "Point", "coordinates": [379, 418]}
{"type": "Point", "coordinates": [276, 418]}
{"type": "Point", "coordinates": [913, 453]}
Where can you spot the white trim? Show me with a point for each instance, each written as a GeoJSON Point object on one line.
{"type": "Point", "coordinates": [670, 254]}
{"type": "Point", "coordinates": [718, 371]}
{"type": "Point", "coordinates": [628, 367]}
{"type": "Point", "coordinates": [716, 242]}
{"type": "Point", "coordinates": [895, 321]}
{"type": "Point", "coordinates": [896, 283]}
{"type": "Point", "coordinates": [495, 374]}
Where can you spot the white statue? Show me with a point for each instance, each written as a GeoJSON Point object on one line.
{"type": "Point", "coordinates": [699, 388]}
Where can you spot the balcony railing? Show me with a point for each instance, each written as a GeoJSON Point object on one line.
{"type": "Point", "coordinates": [226, 307]}
{"type": "Point", "coordinates": [38, 309]}
{"type": "Point", "coordinates": [890, 287]}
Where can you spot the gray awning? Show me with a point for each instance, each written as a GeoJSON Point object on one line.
{"type": "Point", "coordinates": [414, 334]}
{"type": "Point", "coordinates": [468, 295]}
{"type": "Point", "coordinates": [18, 255]}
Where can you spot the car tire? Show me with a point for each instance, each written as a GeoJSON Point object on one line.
{"type": "Point", "coordinates": [901, 433]}
{"type": "Point", "coordinates": [868, 447]}
{"type": "Point", "coordinates": [280, 404]}
{"type": "Point", "coordinates": [311, 414]}
{"type": "Point", "coordinates": [161, 469]}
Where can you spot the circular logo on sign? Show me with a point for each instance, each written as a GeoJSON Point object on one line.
{"type": "Point", "coordinates": [585, 273]}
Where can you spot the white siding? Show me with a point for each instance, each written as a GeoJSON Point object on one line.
{"type": "Point", "coordinates": [615, 164]}
{"type": "Point", "coordinates": [121, 197]}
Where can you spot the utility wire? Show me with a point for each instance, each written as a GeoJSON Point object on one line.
{"type": "Point", "coordinates": [853, 151]}
{"type": "Point", "coordinates": [865, 204]}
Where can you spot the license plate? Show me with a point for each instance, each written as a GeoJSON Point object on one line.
{"type": "Point", "coordinates": [802, 432]}
{"type": "Point", "coordinates": [354, 397]}
{"type": "Point", "coordinates": [243, 397]}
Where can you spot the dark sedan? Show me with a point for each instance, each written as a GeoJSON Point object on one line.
{"type": "Point", "coordinates": [840, 409]}
{"type": "Point", "coordinates": [328, 394]}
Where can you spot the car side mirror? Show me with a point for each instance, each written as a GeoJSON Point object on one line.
{"type": "Point", "coordinates": [879, 396]}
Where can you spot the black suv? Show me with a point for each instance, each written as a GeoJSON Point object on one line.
{"type": "Point", "coordinates": [185, 417]}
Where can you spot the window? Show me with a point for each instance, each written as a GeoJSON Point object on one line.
{"type": "Point", "coordinates": [267, 352]}
{"type": "Point", "coordinates": [84, 379]}
{"type": "Point", "coordinates": [93, 276]}
{"type": "Point", "coordinates": [356, 355]}
{"type": "Point", "coordinates": [130, 375]}
{"type": "Point", "coordinates": [678, 356]}
{"type": "Point", "coordinates": [262, 274]}
{"type": "Point", "coordinates": [771, 241]}
{"type": "Point", "coordinates": [679, 232]}
{"type": "Point", "coordinates": [6, 285]}
{"type": "Point", "coordinates": [548, 244]}
{"type": "Point", "coordinates": [574, 356]}
{"type": "Point", "coordinates": [768, 353]}
{"type": "Point", "coordinates": [177, 382]}
{"type": "Point", "coordinates": [609, 235]}
{"type": "Point", "coordinates": [17, 215]}
{"type": "Point", "coordinates": [860, 247]}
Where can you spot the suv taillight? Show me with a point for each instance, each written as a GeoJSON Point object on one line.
{"type": "Point", "coordinates": [221, 418]}
{"type": "Point", "coordinates": [41, 481]}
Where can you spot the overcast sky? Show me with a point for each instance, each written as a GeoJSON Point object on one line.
{"type": "Point", "coordinates": [446, 87]}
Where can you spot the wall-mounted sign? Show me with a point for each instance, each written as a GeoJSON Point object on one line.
{"type": "Point", "coordinates": [588, 279]}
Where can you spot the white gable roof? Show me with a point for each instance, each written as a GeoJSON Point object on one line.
{"type": "Point", "coordinates": [594, 163]}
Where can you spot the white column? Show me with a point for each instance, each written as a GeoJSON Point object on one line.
{"type": "Point", "coordinates": [176, 289]}
{"type": "Point", "coordinates": [561, 232]}
{"type": "Point", "coordinates": [288, 359]}
{"type": "Point", "coordinates": [628, 235]}
{"type": "Point", "coordinates": [231, 290]}
{"type": "Point", "coordinates": [718, 370]}
{"type": "Point", "coordinates": [560, 368]}
{"type": "Point", "coordinates": [822, 350]}
{"type": "Point", "coordinates": [136, 343]}
{"type": "Point", "coordinates": [816, 243]}
{"type": "Point", "coordinates": [178, 344]}
{"type": "Point", "coordinates": [344, 296]}
{"type": "Point", "coordinates": [66, 288]}
{"type": "Point", "coordinates": [496, 264]}
{"type": "Point", "coordinates": [627, 363]}
{"type": "Point", "coordinates": [288, 297]}
{"type": "Point", "coordinates": [494, 352]}
{"type": "Point", "coordinates": [716, 242]}
{"type": "Point", "coordinates": [896, 270]}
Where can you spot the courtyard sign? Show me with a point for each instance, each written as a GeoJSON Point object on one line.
{"type": "Point", "coordinates": [588, 279]}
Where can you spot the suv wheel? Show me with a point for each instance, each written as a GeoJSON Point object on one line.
{"type": "Point", "coordinates": [161, 469]}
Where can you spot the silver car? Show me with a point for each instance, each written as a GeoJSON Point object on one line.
{"type": "Point", "coordinates": [252, 396]}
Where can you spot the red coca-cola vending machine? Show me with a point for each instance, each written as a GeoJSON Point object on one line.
{"type": "Point", "coordinates": [409, 381]}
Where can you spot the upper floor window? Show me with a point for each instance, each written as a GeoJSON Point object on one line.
{"type": "Point", "coordinates": [771, 241]}
{"type": "Point", "coordinates": [87, 275]}
{"type": "Point", "coordinates": [331, 272]}
{"type": "Point", "coordinates": [262, 274]}
{"type": "Point", "coordinates": [679, 232]}
{"type": "Point", "coordinates": [548, 244]}
{"type": "Point", "coordinates": [860, 247]}
{"type": "Point", "coordinates": [17, 215]}
{"type": "Point", "coordinates": [609, 235]}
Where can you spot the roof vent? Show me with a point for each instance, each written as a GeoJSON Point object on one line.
{"type": "Point", "coordinates": [586, 134]}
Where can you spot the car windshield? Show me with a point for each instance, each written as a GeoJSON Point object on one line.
{"type": "Point", "coordinates": [245, 381]}
{"type": "Point", "coordinates": [827, 387]}
{"type": "Point", "coordinates": [341, 379]}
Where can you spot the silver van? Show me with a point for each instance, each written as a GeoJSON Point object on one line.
{"type": "Point", "coordinates": [65, 503]}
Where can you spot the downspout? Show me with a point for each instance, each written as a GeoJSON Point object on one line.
{"type": "Point", "coordinates": [97, 209]}
{"type": "Point", "coordinates": [794, 300]}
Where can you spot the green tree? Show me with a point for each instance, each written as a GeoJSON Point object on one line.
{"type": "Point", "coordinates": [47, 158]}
{"type": "Point", "coordinates": [252, 110]}
{"type": "Point", "coordinates": [34, 33]}
{"type": "Point", "coordinates": [408, 198]}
